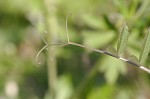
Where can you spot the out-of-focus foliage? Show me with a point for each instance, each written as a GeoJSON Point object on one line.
{"type": "Point", "coordinates": [95, 23]}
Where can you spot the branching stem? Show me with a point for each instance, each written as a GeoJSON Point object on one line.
{"type": "Point", "coordinates": [91, 49]}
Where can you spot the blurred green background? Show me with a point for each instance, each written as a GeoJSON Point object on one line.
{"type": "Point", "coordinates": [74, 73]}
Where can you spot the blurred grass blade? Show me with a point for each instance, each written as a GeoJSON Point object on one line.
{"type": "Point", "coordinates": [145, 48]}
{"type": "Point", "coordinates": [123, 39]}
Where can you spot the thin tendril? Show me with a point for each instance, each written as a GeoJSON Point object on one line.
{"type": "Point", "coordinates": [46, 44]}
{"type": "Point", "coordinates": [67, 28]}
{"type": "Point", "coordinates": [39, 53]}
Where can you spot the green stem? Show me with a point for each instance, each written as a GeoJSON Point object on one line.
{"type": "Point", "coordinates": [51, 26]}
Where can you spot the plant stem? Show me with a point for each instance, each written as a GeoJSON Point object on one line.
{"type": "Point", "coordinates": [51, 26]}
{"type": "Point", "coordinates": [94, 71]}
{"type": "Point", "coordinates": [109, 54]}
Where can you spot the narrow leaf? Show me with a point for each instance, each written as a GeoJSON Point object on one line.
{"type": "Point", "coordinates": [112, 51]}
{"type": "Point", "coordinates": [123, 39]}
{"type": "Point", "coordinates": [145, 48]}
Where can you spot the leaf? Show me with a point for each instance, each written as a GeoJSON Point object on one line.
{"type": "Point", "coordinates": [112, 68]}
{"type": "Point", "coordinates": [122, 6]}
{"type": "Point", "coordinates": [112, 51]}
{"type": "Point", "coordinates": [145, 48]}
{"type": "Point", "coordinates": [97, 39]}
{"type": "Point", "coordinates": [64, 87]}
{"type": "Point", "coordinates": [123, 39]}
{"type": "Point", "coordinates": [93, 21]}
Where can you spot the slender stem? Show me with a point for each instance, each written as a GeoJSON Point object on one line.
{"type": "Point", "coordinates": [109, 54]}
{"type": "Point", "coordinates": [67, 28]}
{"type": "Point", "coordinates": [51, 36]}
{"type": "Point", "coordinates": [102, 52]}
{"type": "Point", "coordinates": [39, 54]}
{"type": "Point", "coordinates": [93, 72]}
{"type": "Point", "coordinates": [52, 72]}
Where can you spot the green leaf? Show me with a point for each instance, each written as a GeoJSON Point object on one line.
{"type": "Point", "coordinates": [123, 39]}
{"type": "Point", "coordinates": [97, 39]}
{"type": "Point", "coordinates": [112, 51]}
{"type": "Point", "coordinates": [93, 21]}
{"type": "Point", "coordinates": [145, 48]}
{"type": "Point", "coordinates": [112, 68]}
{"type": "Point", "coordinates": [122, 6]}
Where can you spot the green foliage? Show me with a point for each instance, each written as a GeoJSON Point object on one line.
{"type": "Point", "coordinates": [94, 23]}
{"type": "Point", "coordinates": [105, 92]}
{"type": "Point", "coordinates": [112, 68]}
{"type": "Point", "coordinates": [145, 48]}
{"type": "Point", "coordinates": [123, 39]}
{"type": "Point", "coordinates": [97, 39]}
{"type": "Point", "coordinates": [64, 88]}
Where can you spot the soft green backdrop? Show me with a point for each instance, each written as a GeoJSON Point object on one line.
{"type": "Point", "coordinates": [74, 73]}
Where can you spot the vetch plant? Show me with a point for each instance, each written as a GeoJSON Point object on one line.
{"type": "Point", "coordinates": [122, 43]}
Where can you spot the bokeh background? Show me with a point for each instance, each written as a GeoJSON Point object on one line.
{"type": "Point", "coordinates": [71, 72]}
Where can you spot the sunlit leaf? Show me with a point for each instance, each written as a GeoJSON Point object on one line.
{"type": "Point", "coordinates": [94, 21]}
{"type": "Point", "coordinates": [145, 48]}
{"type": "Point", "coordinates": [123, 39]}
{"type": "Point", "coordinates": [97, 39]}
{"type": "Point", "coordinates": [122, 6]}
{"type": "Point", "coordinates": [112, 68]}
{"type": "Point", "coordinates": [64, 87]}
